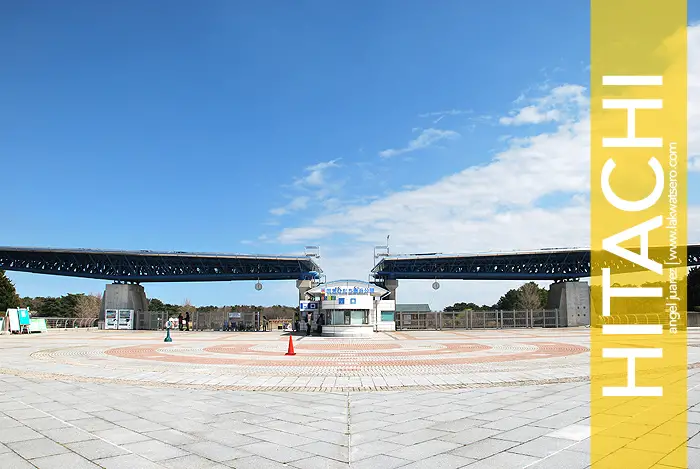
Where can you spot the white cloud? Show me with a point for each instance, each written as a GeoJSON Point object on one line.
{"type": "Point", "coordinates": [531, 115]}
{"type": "Point", "coordinates": [313, 182]}
{"type": "Point", "coordinates": [489, 205]}
{"type": "Point", "coordinates": [440, 115]}
{"type": "Point", "coordinates": [558, 105]}
{"type": "Point", "coordinates": [298, 203]}
{"type": "Point", "coordinates": [498, 206]}
{"type": "Point", "coordinates": [427, 137]}
{"type": "Point", "coordinates": [316, 174]}
{"type": "Point", "coordinates": [451, 112]}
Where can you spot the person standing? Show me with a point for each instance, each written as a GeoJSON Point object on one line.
{"type": "Point", "coordinates": [180, 319]}
{"type": "Point", "coordinates": [309, 318]}
{"type": "Point", "coordinates": [187, 321]}
{"type": "Point", "coordinates": [319, 323]}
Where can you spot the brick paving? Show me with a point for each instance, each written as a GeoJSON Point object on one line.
{"type": "Point", "coordinates": [476, 399]}
{"type": "Point", "coordinates": [257, 360]}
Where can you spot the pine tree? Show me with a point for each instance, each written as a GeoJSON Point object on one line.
{"type": "Point", "coordinates": [8, 294]}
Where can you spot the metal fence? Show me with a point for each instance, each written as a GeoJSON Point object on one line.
{"type": "Point", "coordinates": [152, 320]}
{"type": "Point", "coordinates": [203, 321]}
{"type": "Point", "coordinates": [70, 323]}
{"type": "Point", "coordinates": [692, 319]}
{"type": "Point", "coordinates": [495, 319]}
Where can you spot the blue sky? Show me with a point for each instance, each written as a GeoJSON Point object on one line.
{"type": "Point", "coordinates": [242, 126]}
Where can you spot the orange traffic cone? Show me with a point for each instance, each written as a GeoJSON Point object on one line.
{"type": "Point", "coordinates": [290, 349]}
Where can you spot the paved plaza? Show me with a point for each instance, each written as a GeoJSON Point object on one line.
{"type": "Point", "coordinates": [496, 399]}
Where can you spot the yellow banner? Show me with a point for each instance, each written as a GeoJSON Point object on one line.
{"type": "Point", "coordinates": [638, 234]}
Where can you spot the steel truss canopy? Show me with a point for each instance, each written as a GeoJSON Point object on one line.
{"type": "Point", "coordinates": [544, 264]}
{"type": "Point", "coordinates": [153, 266]}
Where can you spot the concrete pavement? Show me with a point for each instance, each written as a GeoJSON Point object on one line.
{"type": "Point", "coordinates": [67, 402]}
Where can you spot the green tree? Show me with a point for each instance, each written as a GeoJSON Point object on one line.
{"type": "Point", "coordinates": [69, 305]}
{"type": "Point", "coordinates": [457, 307]}
{"type": "Point", "coordinates": [48, 307]}
{"type": "Point", "coordinates": [544, 297]}
{"type": "Point", "coordinates": [530, 296]}
{"type": "Point", "coordinates": [88, 306]}
{"type": "Point", "coordinates": [8, 295]}
{"type": "Point", "coordinates": [509, 301]}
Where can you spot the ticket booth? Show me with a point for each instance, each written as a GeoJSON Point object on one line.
{"type": "Point", "coordinates": [350, 308]}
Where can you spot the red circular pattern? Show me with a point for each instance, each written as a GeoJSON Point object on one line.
{"type": "Point", "coordinates": [363, 357]}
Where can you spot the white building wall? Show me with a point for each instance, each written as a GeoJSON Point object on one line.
{"type": "Point", "coordinates": [361, 302]}
{"type": "Point", "coordinates": [385, 305]}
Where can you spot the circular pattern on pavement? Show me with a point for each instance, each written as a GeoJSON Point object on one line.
{"type": "Point", "coordinates": [415, 360]}
{"type": "Point", "coordinates": [347, 356]}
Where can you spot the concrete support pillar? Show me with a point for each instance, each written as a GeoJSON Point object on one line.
{"type": "Point", "coordinates": [391, 285]}
{"type": "Point", "coordinates": [304, 286]}
{"type": "Point", "coordinates": [573, 301]}
{"type": "Point", "coordinates": [125, 296]}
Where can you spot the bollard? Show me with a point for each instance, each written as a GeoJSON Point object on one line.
{"type": "Point", "coordinates": [168, 325]}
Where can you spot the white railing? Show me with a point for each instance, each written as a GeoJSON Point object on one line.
{"type": "Point", "coordinates": [70, 323]}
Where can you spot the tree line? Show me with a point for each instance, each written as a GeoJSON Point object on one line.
{"type": "Point", "coordinates": [72, 305]}
{"type": "Point", "coordinates": [527, 296]}
{"type": "Point", "coordinates": [531, 296]}
{"type": "Point", "coordinates": [80, 305]}
{"type": "Point", "coordinates": [271, 312]}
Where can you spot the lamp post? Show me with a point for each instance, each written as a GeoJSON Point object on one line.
{"type": "Point", "coordinates": [379, 254]}
{"type": "Point", "coordinates": [375, 301]}
{"type": "Point", "coordinates": [168, 325]}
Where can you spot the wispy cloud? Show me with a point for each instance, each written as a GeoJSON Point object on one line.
{"type": "Point", "coordinates": [298, 203]}
{"type": "Point", "coordinates": [315, 174]}
{"type": "Point", "coordinates": [694, 164]}
{"type": "Point", "coordinates": [427, 138]}
{"type": "Point", "coordinates": [531, 115]}
{"type": "Point", "coordinates": [561, 103]}
{"type": "Point", "coordinates": [311, 187]}
{"type": "Point", "coordinates": [437, 116]}
{"type": "Point", "coordinates": [451, 112]}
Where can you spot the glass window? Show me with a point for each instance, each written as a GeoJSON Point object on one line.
{"type": "Point", "coordinates": [358, 317]}
{"type": "Point", "coordinates": [387, 315]}
{"type": "Point", "coordinates": [346, 317]}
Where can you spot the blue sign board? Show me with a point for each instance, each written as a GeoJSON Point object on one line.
{"type": "Point", "coordinates": [24, 319]}
{"type": "Point", "coordinates": [348, 291]}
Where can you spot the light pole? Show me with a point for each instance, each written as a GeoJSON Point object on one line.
{"type": "Point", "coordinates": [381, 248]}
{"type": "Point", "coordinates": [376, 256]}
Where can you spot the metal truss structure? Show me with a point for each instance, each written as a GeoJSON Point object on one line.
{"type": "Point", "coordinates": [152, 266]}
{"type": "Point", "coordinates": [547, 264]}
